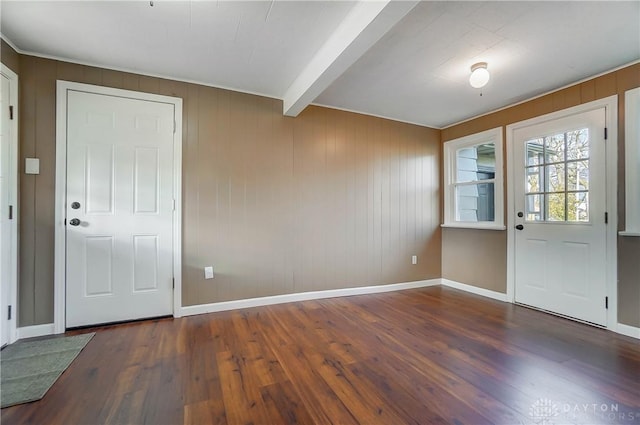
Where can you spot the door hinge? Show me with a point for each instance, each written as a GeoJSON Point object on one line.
{"type": "Point", "coordinates": [10, 212]}
{"type": "Point", "coordinates": [173, 280]}
{"type": "Point", "coordinates": [10, 112]}
{"type": "Point", "coordinates": [606, 218]}
{"type": "Point", "coordinates": [606, 303]}
{"type": "Point", "coordinates": [9, 313]}
{"type": "Point", "coordinates": [174, 204]}
{"type": "Point", "coordinates": [606, 133]}
{"type": "Point", "coordinates": [174, 127]}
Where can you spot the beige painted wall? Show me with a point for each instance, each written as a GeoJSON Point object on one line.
{"type": "Point", "coordinates": [277, 205]}
{"type": "Point", "coordinates": [484, 254]}
{"type": "Point", "coordinates": [9, 57]}
{"type": "Point", "coordinates": [479, 242]}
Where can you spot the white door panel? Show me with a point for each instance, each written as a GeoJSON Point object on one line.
{"type": "Point", "coordinates": [560, 199]}
{"type": "Point", "coordinates": [120, 171]}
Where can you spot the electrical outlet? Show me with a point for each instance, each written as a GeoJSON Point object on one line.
{"type": "Point", "coordinates": [414, 259]}
{"type": "Point", "coordinates": [208, 272]}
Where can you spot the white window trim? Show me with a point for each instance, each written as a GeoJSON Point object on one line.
{"type": "Point", "coordinates": [632, 162]}
{"type": "Point", "coordinates": [450, 148]}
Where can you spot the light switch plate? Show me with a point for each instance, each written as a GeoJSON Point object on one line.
{"type": "Point", "coordinates": [208, 272]}
{"type": "Point", "coordinates": [32, 165]}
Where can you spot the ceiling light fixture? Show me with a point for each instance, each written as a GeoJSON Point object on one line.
{"type": "Point", "coordinates": [479, 75]}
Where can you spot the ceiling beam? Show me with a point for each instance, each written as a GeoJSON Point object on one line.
{"type": "Point", "coordinates": [363, 26]}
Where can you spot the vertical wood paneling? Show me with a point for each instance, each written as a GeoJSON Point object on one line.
{"type": "Point", "coordinates": [10, 57]}
{"type": "Point", "coordinates": [27, 190]}
{"type": "Point", "coordinates": [190, 263]}
{"type": "Point", "coordinates": [130, 81]}
{"type": "Point", "coordinates": [277, 205]}
{"type": "Point", "coordinates": [605, 86]}
{"type": "Point", "coordinates": [588, 91]}
{"type": "Point", "coordinates": [91, 75]}
{"type": "Point", "coordinates": [67, 71]}
{"type": "Point", "coordinates": [45, 190]}
{"type": "Point", "coordinates": [112, 79]}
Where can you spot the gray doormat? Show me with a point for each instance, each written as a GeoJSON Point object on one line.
{"type": "Point", "coordinates": [29, 368]}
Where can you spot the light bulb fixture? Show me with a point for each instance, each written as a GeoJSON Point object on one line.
{"type": "Point", "coordinates": [479, 75]}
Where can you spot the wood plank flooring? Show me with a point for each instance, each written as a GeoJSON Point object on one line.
{"type": "Point", "coordinates": [426, 356]}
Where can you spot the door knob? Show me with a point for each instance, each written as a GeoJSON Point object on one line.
{"type": "Point", "coordinates": [519, 227]}
{"type": "Point", "coordinates": [74, 222]}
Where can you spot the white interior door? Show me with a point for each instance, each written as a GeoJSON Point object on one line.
{"type": "Point", "coordinates": [8, 211]}
{"type": "Point", "coordinates": [560, 203]}
{"type": "Point", "coordinates": [119, 208]}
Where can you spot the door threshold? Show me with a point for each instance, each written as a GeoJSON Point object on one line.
{"type": "Point", "coordinates": [564, 316]}
{"type": "Point", "coordinates": [117, 323]}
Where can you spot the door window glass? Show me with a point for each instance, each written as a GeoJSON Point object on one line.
{"type": "Point", "coordinates": [557, 177]}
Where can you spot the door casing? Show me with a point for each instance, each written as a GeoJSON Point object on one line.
{"type": "Point", "coordinates": [60, 192]}
{"type": "Point", "coordinates": [611, 123]}
{"type": "Point", "coordinates": [13, 200]}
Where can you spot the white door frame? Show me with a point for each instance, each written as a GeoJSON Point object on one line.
{"type": "Point", "coordinates": [60, 276]}
{"type": "Point", "coordinates": [13, 200]}
{"type": "Point", "coordinates": [611, 123]}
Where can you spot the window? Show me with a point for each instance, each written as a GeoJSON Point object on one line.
{"type": "Point", "coordinates": [473, 181]}
{"type": "Point", "coordinates": [557, 177]}
{"type": "Point", "coordinates": [632, 162]}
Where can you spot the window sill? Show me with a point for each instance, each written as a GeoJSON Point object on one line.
{"type": "Point", "coordinates": [629, 233]}
{"type": "Point", "coordinates": [474, 226]}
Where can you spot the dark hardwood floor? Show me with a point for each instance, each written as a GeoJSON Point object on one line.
{"type": "Point", "coordinates": [424, 356]}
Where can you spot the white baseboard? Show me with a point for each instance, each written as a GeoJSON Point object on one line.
{"type": "Point", "coordinates": [302, 296]}
{"type": "Point", "coordinates": [36, 330]}
{"type": "Point", "coordinates": [627, 330]}
{"type": "Point", "coordinates": [475, 290]}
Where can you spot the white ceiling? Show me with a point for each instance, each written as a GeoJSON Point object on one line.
{"type": "Point", "coordinates": [389, 59]}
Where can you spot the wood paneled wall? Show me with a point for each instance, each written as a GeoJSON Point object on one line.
{"type": "Point", "coordinates": [479, 243]}
{"type": "Point", "coordinates": [277, 205]}
{"type": "Point", "coordinates": [9, 57]}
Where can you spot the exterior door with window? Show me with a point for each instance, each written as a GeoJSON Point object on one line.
{"type": "Point", "coordinates": [560, 201]}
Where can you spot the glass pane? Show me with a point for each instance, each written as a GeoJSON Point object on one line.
{"type": "Point", "coordinates": [534, 179]}
{"type": "Point", "coordinates": [555, 178]}
{"type": "Point", "coordinates": [554, 148]}
{"type": "Point", "coordinates": [475, 202]}
{"type": "Point", "coordinates": [535, 148]}
{"type": "Point", "coordinates": [534, 207]}
{"type": "Point", "coordinates": [578, 175]}
{"type": "Point", "coordinates": [578, 206]}
{"type": "Point", "coordinates": [578, 144]}
{"type": "Point", "coordinates": [555, 207]}
{"type": "Point", "coordinates": [558, 164]}
{"type": "Point", "coordinates": [476, 163]}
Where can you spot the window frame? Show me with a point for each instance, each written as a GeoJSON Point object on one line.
{"type": "Point", "coordinates": [632, 161]}
{"type": "Point", "coordinates": [451, 147]}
